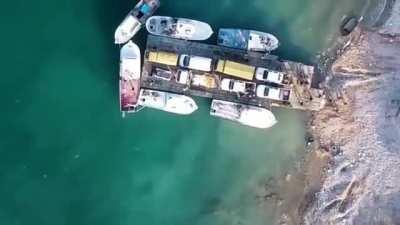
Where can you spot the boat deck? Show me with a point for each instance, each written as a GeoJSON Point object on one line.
{"type": "Point", "coordinates": [129, 94]}
{"type": "Point", "coordinates": [302, 95]}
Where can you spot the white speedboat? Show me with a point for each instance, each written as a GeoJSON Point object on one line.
{"type": "Point", "coordinates": [248, 40]}
{"type": "Point", "coordinates": [245, 114]}
{"type": "Point", "coordinates": [169, 102]}
{"type": "Point", "coordinates": [179, 28]}
{"type": "Point", "coordinates": [135, 20]}
{"type": "Point", "coordinates": [129, 77]}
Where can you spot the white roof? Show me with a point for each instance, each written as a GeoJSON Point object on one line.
{"type": "Point", "coordinates": [183, 76]}
{"type": "Point", "coordinates": [200, 63]}
{"type": "Point", "coordinates": [273, 93]}
{"type": "Point", "coordinates": [273, 76]}
{"type": "Point", "coordinates": [238, 86]}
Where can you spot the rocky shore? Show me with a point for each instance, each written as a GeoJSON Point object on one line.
{"type": "Point", "coordinates": [358, 133]}
{"type": "Point", "coordinates": [351, 172]}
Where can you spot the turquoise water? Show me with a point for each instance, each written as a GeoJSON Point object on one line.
{"type": "Point", "coordinates": [67, 156]}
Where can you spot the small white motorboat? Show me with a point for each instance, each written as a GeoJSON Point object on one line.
{"type": "Point", "coordinates": [169, 102]}
{"type": "Point", "coordinates": [245, 114]}
{"type": "Point", "coordinates": [179, 28]}
{"type": "Point", "coordinates": [248, 40]}
{"type": "Point", "coordinates": [135, 20]}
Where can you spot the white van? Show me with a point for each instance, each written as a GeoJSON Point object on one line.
{"type": "Point", "coordinates": [237, 86]}
{"type": "Point", "coordinates": [273, 93]}
{"type": "Point", "coordinates": [271, 76]}
{"type": "Point", "coordinates": [195, 63]}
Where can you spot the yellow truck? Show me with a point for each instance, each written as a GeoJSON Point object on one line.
{"type": "Point", "coordinates": [235, 69]}
{"type": "Point", "coordinates": [166, 58]}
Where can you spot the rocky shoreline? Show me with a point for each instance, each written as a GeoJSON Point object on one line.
{"type": "Point", "coordinates": [358, 133]}
{"type": "Point", "coordinates": [351, 172]}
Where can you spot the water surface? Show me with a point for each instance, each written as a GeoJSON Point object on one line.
{"type": "Point", "coordinates": [66, 155]}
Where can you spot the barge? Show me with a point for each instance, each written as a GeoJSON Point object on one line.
{"type": "Point", "coordinates": [227, 74]}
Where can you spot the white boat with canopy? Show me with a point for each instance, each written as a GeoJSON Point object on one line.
{"type": "Point", "coordinates": [179, 28]}
{"type": "Point", "coordinates": [169, 102]}
{"type": "Point", "coordinates": [245, 114]}
{"type": "Point", "coordinates": [134, 21]}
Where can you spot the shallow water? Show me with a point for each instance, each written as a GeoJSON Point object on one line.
{"type": "Point", "coordinates": [67, 157]}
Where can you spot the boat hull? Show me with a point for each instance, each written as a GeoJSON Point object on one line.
{"type": "Point", "coordinates": [245, 114]}
{"type": "Point", "coordinates": [248, 40]}
{"type": "Point", "coordinates": [127, 29]}
{"type": "Point", "coordinates": [179, 28]}
{"type": "Point", "coordinates": [135, 20]}
{"type": "Point", "coordinates": [168, 102]}
{"type": "Point", "coordinates": [129, 84]}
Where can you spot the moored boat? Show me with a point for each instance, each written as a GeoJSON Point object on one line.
{"type": "Point", "coordinates": [134, 21]}
{"type": "Point", "coordinates": [245, 114]}
{"type": "Point", "coordinates": [169, 102]}
{"type": "Point", "coordinates": [179, 28]}
{"type": "Point", "coordinates": [248, 40]}
{"type": "Point", "coordinates": [129, 77]}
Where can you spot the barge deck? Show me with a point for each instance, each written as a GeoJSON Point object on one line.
{"type": "Point", "coordinates": [303, 94]}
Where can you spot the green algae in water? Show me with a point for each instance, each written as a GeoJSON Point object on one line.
{"type": "Point", "coordinates": [67, 157]}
